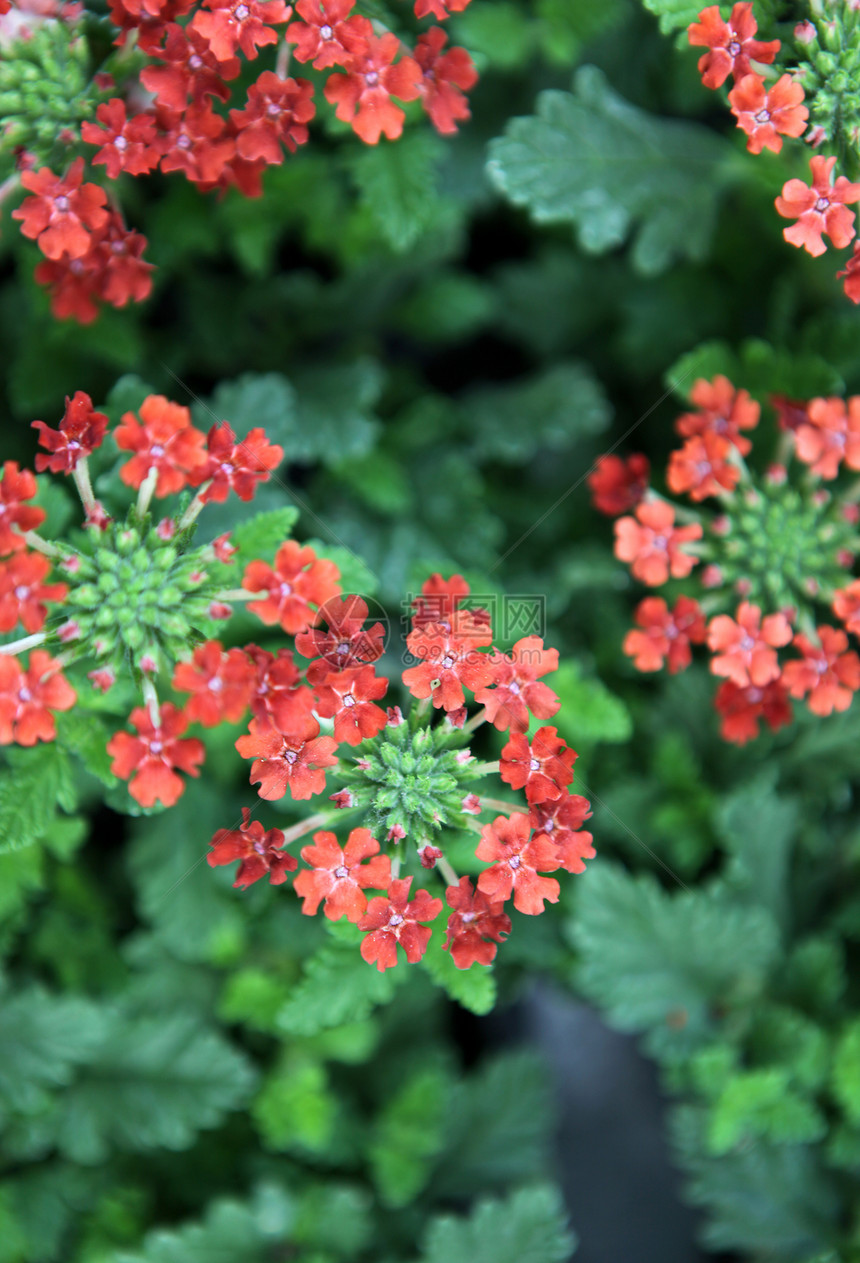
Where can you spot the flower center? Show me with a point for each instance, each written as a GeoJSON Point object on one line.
{"type": "Point", "coordinates": [734, 48]}
{"type": "Point", "coordinates": [822, 204]}
{"type": "Point", "coordinates": [762, 117]}
{"type": "Point", "coordinates": [183, 141]}
{"type": "Point", "coordinates": [448, 661]}
{"type": "Point", "coordinates": [341, 872]}
{"type": "Point", "coordinates": [286, 589]}
{"type": "Point", "coordinates": [371, 79]}
{"type": "Point", "coordinates": [156, 450]}
{"type": "Point", "coordinates": [514, 862]}
{"type": "Point", "coordinates": [215, 684]}
{"type": "Point", "coordinates": [195, 61]}
{"type": "Point", "coordinates": [659, 541]}
{"type": "Point", "coordinates": [534, 765]}
{"type": "Point", "coordinates": [62, 204]}
{"type": "Point", "coordinates": [396, 919]}
{"type": "Point", "coordinates": [326, 32]}
{"type": "Point", "coordinates": [24, 695]}
{"type": "Point", "coordinates": [121, 144]}
{"type": "Point", "coordinates": [22, 592]}
{"type": "Point", "coordinates": [241, 12]}
{"type": "Point", "coordinates": [155, 747]}
{"type": "Point", "coordinates": [468, 917]}
{"type": "Point", "coordinates": [273, 110]}
{"type": "Point", "coordinates": [348, 699]}
{"type": "Point", "coordinates": [747, 643]}
{"type": "Point", "coordinates": [514, 688]}
{"type": "Point", "coordinates": [290, 756]}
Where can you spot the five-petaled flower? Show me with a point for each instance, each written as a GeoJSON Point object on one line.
{"type": "Point", "coordinates": [258, 849]}
{"type": "Point", "coordinates": [543, 766]}
{"type": "Point", "coordinates": [341, 874]}
{"type": "Point", "coordinates": [476, 924]}
{"type": "Point", "coordinates": [745, 647]}
{"type": "Point", "coordinates": [703, 467]}
{"type": "Point", "coordinates": [766, 115]}
{"type": "Point", "coordinates": [516, 689]}
{"type": "Point", "coordinates": [29, 696]}
{"type": "Point", "coordinates": [23, 591]}
{"type": "Point", "coordinates": [830, 435]}
{"type": "Point", "coordinates": [828, 674]}
{"type": "Point", "coordinates": [150, 758]}
{"type": "Point", "coordinates": [363, 94]}
{"type": "Point", "coordinates": [63, 211]}
{"type": "Point", "coordinates": [821, 209]}
{"type": "Point", "coordinates": [16, 486]}
{"type": "Point", "coordinates": [221, 684]}
{"type": "Point", "coordinates": [451, 659]}
{"type": "Point", "coordinates": [665, 635]}
{"type": "Point", "coordinates": [617, 484]}
{"type": "Point", "coordinates": [163, 440]}
{"type": "Point", "coordinates": [742, 708]}
{"type": "Point", "coordinates": [517, 859]}
{"type": "Point", "coordinates": [348, 697]}
{"type": "Point", "coordinates": [233, 464]}
{"type": "Point", "coordinates": [299, 581]}
{"type": "Point", "coordinates": [81, 431]}
{"type": "Point", "coordinates": [397, 919]}
{"type": "Point", "coordinates": [722, 410]}
{"type": "Point", "coordinates": [294, 760]}
{"type": "Point", "coordinates": [730, 43]}
{"type": "Point", "coordinates": [653, 545]}
{"type": "Point", "coordinates": [558, 821]}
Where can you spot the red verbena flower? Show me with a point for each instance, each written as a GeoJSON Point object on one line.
{"type": "Point", "coordinates": [63, 212]}
{"type": "Point", "coordinates": [617, 485]}
{"type": "Point", "coordinates": [516, 690]}
{"type": "Point", "coordinates": [236, 465]}
{"type": "Point", "coordinates": [151, 757]}
{"type": "Point", "coordinates": [126, 144]}
{"type": "Point", "coordinates": [846, 606]}
{"type": "Point", "coordinates": [702, 467]}
{"type": "Point", "coordinates": [340, 875]}
{"type": "Point", "coordinates": [665, 635]}
{"type": "Point", "coordinates": [259, 850]}
{"type": "Point", "coordinates": [731, 44]}
{"type": "Point", "coordinates": [120, 272]}
{"type": "Point", "coordinates": [196, 142]}
{"type": "Point", "coordinates": [768, 115]}
{"type": "Point", "coordinates": [826, 676]}
{"type": "Point", "coordinates": [517, 859]}
{"type": "Point", "coordinates": [16, 486]}
{"type": "Point", "coordinates": [190, 69]}
{"type": "Point", "coordinates": [722, 411]}
{"type": "Point", "coordinates": [851, 273]}
{"type": "Point", "coordinates": [28, 698]}
{"type": "Point", "coordinates": [23, 591]}
{"type": "Point", "coordinates": [439, 8]}
{"type": "Point", "coordinates": [362, 95]}
{"type": "Point", "coordinates": [328, 36]}
{"type": "Point", "coordinates": [741, 709]}
{"type": "Point", "coordinates": [346, 642]}
{"type": "Point", "coordinates": [348, 697]}
{"type": "Point", "coordinates": [221, 684]}
{"type": "Point", "coordinates": [231, 26]}
{"type": "Point", "coordinates": [277, 113]}
{"type": "Point", "coordinates": [439, 599]}
{"type": "Point", "coordinates": [653, 544]}
{"type": "Point", "coordinates": [830, 435]}
{"type": "Point", "coordinates": [559, 822]}
{"type": "Point", "coordinates": [451, 660]}
{"type": "Point", "coordinates": [445, 77]}
{"type": "Point", "coordinates": [821, 210]}
{"type": "Point", "coordinates": [745, 646]}
{"type": "Point", "coordinates": [475, 925]}
{"type": "Point", "coordinates": [277, 676]}
{"type": "Point", "coordinates": [396, 919]}
{"type": "Point", "coordinates": [81, 431]}
{"type": "Point", "coordinates": [299, 580]}
{"type": "Point", "coordinates": [164, 439]}
{"type": "Point", "coordinates": [542, 766]}
{"type": "Point", "coordinates": [282, 761]}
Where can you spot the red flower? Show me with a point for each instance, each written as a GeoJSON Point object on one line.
{"type": "Point", "coordinates": [346, 642]}
{"type": "Point", "coordinates": [439, 8]}
{"type": "Point", "coordinates": [221, 684]}
{"type": "Point", "coordinates": [196, 143]}
{"type": "Point", "coordinates": [851, 272]}
{"type": "Point", "coordinates": [233, 465]}
{"type": "Point", "coordinates": [23, 592]}
{"type": "Point", "coordinates": [27, 698]}
{"type": "Point", "coordinates": [742, 708]}
{"type": "Point", "coordinates": [63, 212]}
{"type": "Point", "coordinates": [121, 273]}
{"type": "Point", "coordinates": [664, 635]}
{"type": "Point", "coordinates": [277, 112]}
{"type": "Point", "coordinates": [166, 440]}
{"type": "Point", "coordinates": [746, 649]}
{"type": "Point", "coordinates": [259, 851]}
{"type": "Point", "coordinates": [283, 761]}
{"type": "Point", "coordinates": [298, 579]}
{"type": "Point", "coordinates": [439, 599]}
{"type": "Point", "coordinates": [328, 36]}
{"type": "Point", "coordinates": [348, 697]}
{"type": "Point", "coordinates": [820, 210]}
{"type": "Point", "coordinates": [190, 70]}
{"type": "Point", "coordinates": [790, 413]}
{"type": "Point", "coordinates": [340, 875]}
{"type": "Point", "coordinates": [363, 95]}
{"type": "Point", "coordinates": [81, 431]}
{"type": "Point", "coordinates": [475, 926]}
{"type": "Point", "coordinates": [723, 411]}
{"type": "Point", "coordinates": [127, 14]}
{"type": "Point", "coordinates": [276, 678]}
{"type": "Point", "coordinates": [126, 144]}
{"type": "Point", "coordinates": [830, 435]}
{"type": "Point", "coordinates": [846, 606]}
{"type": "Point", "coordinates": [826, 675]}
{"type": "Point", "coordinates": [701, 468]}
{"type": "Point", "coordinates": [618, 485]}
{"type": "Point", "coordinates": [515, 689]}
{"type": "Point", "coordinates": [395, 919]}
{"type": "Point", "coordinates": [444, 75]}
{"type": "Point", "coordinates": [767, 116]}
{"type": "Point", "coordinates": [17, 485]}
{"type": "Point", "coordinates": [652, 543]}
{"type": "Point", "coordinates": [516, 862]}
{"type": "Point", "coordinates": [150, 757]}
{"type": "Point", "coordinates": [72, 284]}
{"type": "Point", "coordinates": [451, 660]}
{"type": "Point", "coordinates": [731, 44]}
{"type": "Point", "coordinates": [543, 767]}
{"type": "Point", "coordinates": [231, 26]}
{"type": "Point", "coordinates": [559, 823]}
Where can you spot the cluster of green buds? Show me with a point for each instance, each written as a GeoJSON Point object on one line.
{"type": "Point", "coordinates": [829, 69]}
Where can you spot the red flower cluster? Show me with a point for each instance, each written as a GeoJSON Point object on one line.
{"type": "Point", "coordinates": [766, 113]}
{"type": "Point", "coordinates": [780, 550]}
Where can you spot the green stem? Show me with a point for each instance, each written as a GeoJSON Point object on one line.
{"type": "Point", "coordinates": [307, 826]}
{"type": "Point", "coordinates": [484, 769]}
{"type": "Point", "coordinates": [25, 643]}
{"type": "Point", "coordinates": [447, 871]}
{"type": "Point", "coordinates": [475, 721]}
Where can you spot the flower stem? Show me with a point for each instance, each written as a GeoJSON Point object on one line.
{"type": "Point", "coordinates": [81, 477]}
{"type": "Point", "coordinates": [150, 698]}
{"type": "Point", "coordinates": [307, 826]}
{"type": "Point", "coordinates": [499, 804]}
{"type": "Point", "coordinates": [476, 720]}
{"type": "Point", "coordinates": [34, 541]}
{"type": "Point", "coordinates": [25, 643]}
{"type": "Point", "coordinates": [145, 494]}
{"type": "Point", "coordinates": [484, 769]}
{"type": "Point", "coordinates": [236, 594]}
{"type": "Point", "coordinates": [194, 509]}
{"type": "Point", "coordinates": [447, 871]}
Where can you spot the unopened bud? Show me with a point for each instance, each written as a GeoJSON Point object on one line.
{"type": "Point", "coordinates": [102, 679]}
{"type": "Point", "coordinates": [219, 609]}
{"type": "Point", "coordinates": [428, 855]}
{"type": "Point", "coordinates": [342, 799]}
{"type": "Point", "coordinates": [396, 833]}
{"type": "Point", "coordinates": [712, 577]}
{"type": "Point", "coordinates": [395, 716]}
{"type": "Point", "coordinates": [472, 805]}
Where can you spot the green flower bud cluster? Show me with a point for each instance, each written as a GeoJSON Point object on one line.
{"type": "Point", "coordinates": [412, 779]}
{"type": "Point", "coordinates": [830, 74]}
{"type": "Point", "coordinates": [139, 597]}
{"type": "Point", "coordinates": [777, 539]}
{"type": "Point", "coordinates": [45, 92]}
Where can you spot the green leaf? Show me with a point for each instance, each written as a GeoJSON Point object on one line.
{"type": "Point", "coordinates": [356, 577]}
{"type": "Point", "coordinates": [588, 712]}
{"type": "Point", "coordinates": [38, 781]}
{"type": "Point", "coordinates": [334, 1218]}
{"type": "Point", "coordinates": [530, 1226]}
{"type": "Point", "coordinates": [760, 824]}
{"type": "Point", "coordinates": [566, 25]}
{"type": "Point", "coordinates": [398, 186]}
{"type": "Point", "coordinates": [661, 962]}
{"type": "Point", "coordinates": [846, 1071]}
{"type": "Point", "coordinates": [86, 735]}
{"type": "Point", "coordinates": [254, 399]}
{"type": "Point", "coordinates": [499, 32]}
{"type": "Point", "coordinates": [474, 988]}
{"type": "Point", "coordinates": [229, 1232]}
{"type": "Point", "coordinates": [262, 535]}
{"type": "Point", "coordinates": [553, 409]}
{"type": "Point", "coordinates": [758, 367]}
{"type": "Point", "coordinates": [595, 161]}
{"type": "Point", "coordinates": [126, 395]}
{"type": "Point", "coordinates": [674, 15]}
{"type": "Point", "coordinates": [59, 505]}
{"type": "Point", "coordinates": [336, 420]}
{"type": "Point", "coordinates": [43, 1037]}
{"type": "Point", "coordinates": [761, 1103]}
{"type": "Point", "coordinates": [153, 1083]}
{"type": "Point", "coordinates": [409, 1133]}
{"type": "Point", "coordinates": [295, 1107]}
{"type": "Point", "coordinates": [338, 986]}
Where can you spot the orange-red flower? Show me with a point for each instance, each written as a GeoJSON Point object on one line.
{"type": "Point", "coordinates": [851, 273]}
{"type": "Point", "coordinates": [260, 852]}
{"type": "Point", "coordinates": [826, 676]}
{"type": "Point", "coordinates": [517, 859]}
{"type": "Point", "coordinates": [516, 689]}
{"type": "Point", "coordinates": [768, 115]}
{"type": "Point", "coordinates": [282, 761]}
{"type": "Point", "coordinates": [665, 635]}
{"type": "Point", "coordinates": [28, 698]}
{"type": "Point", "coordinates": [452, 659]}
{"type": "Point", "coordinates": [23, 591]}
{"type": "Point", "coordinates": [164, 439]}
{"type": "Point", "coordinates": [346, 642]}
{"type": "Point", "coordinates": [16, 486]}
{"type": "Point", "coordinates": [618, 485]}
{"type": "Point", "coordinates": [221, 684]}
{"type": "Point", "coordinates": [363, 94]}
{"type": "Point", "coordinates": [445, 77]}
{"type": "Point", "coordinates": [741, 709]}
{"type": "Point", "coordinates": [653, 545]}
{"type": "Point", "coordinates": [232, 27]}
{"type": "Point", "coordinates": [558, 821]}
{"type": "Point", "coordinates": [63, 211]}
{"type": "Point", "coordinates": [846, 606]}
{"type": "Point", "coordinates": [81, 431]}
{"type": "Point", "coordinates": [299, 581]}
{"type": "Point", "coordinates": [542, 766]}
{"type": "Point", "coordinates": [821, 210]}
{"type": "Point", "coordinates": [475, 925]}
{"type": "Point", "coordinates": [340, 875]}
{"type": "Point", "coordinates": [830, 435]}
{"type": "Point", "coordinates": [745, 648]}
{"type": "Point", "coordinates": [328, 36]}
{"type": "Point", "coordinates": [731, 43]}
{"type": "Point", "coordinates": [348, 697]}
{"type": "Point", "coordinates": [277, 113]}
{"type": "Point", "coordinates": [395, 919]}
{"type": "Point", "coordinates": [150, 757]}
{"type": "Point", "coordinates": [722, 410]}
{"type": "Point", "coordinates": [702, 467]}
{"type": "Point", "coordinates": [125, 144]}
{"type": "Point", "coordinates": [236, 464]}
